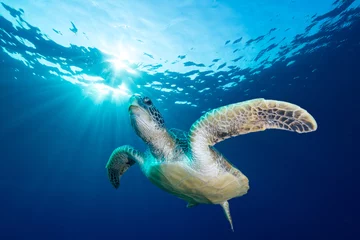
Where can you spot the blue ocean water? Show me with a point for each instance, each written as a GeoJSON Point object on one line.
{"type": "Point", "coordinates": [68, 69]}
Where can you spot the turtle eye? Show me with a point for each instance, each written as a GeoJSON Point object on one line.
{"type": "Point", "coordinates": [147, 101]}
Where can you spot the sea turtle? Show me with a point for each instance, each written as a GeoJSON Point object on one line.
{"type": "Point", "coordinates": [186, 164]}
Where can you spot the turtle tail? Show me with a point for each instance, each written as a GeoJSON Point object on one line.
{"type": "Point", "coordinates": [225, 206]}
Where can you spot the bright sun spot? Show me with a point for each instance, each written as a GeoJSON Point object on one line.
{"type": "Point", "coordinates": [120, 65]}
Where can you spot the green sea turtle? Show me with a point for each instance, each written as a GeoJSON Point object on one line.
{"type": "Point", "coordinates": [186, 164]}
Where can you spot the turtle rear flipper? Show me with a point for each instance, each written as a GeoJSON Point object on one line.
{"type": "Point", "coordinates": [242, 118]}
{"type": "Point", "coordinates": [119, 162]}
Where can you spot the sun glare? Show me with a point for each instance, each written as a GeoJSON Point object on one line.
{"type": "Point", "coordinates": [101, 92]}
{"type": "Point", "coordinates": [120, 65]}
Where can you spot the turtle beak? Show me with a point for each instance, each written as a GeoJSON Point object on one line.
{"type": "Point", "coordinates": [134, 102]}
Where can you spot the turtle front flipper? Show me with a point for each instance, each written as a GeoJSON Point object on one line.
{"type": "Point", "coordinates": [242, 118]}
{"type": "Point", "coordinates": [120, 160]}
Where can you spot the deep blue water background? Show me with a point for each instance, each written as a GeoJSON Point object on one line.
{"type": "Point", "coordinates": [55, 144]}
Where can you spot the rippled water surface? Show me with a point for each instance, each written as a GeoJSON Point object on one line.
{"type": "Point", "coordinates": [182, 52]}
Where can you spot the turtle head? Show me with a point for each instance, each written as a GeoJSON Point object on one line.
{"type": "Point", "coordinates": [145, 118]}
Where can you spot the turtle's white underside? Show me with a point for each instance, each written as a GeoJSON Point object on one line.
{"type": "Point", "coordinates": [180, 179]}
